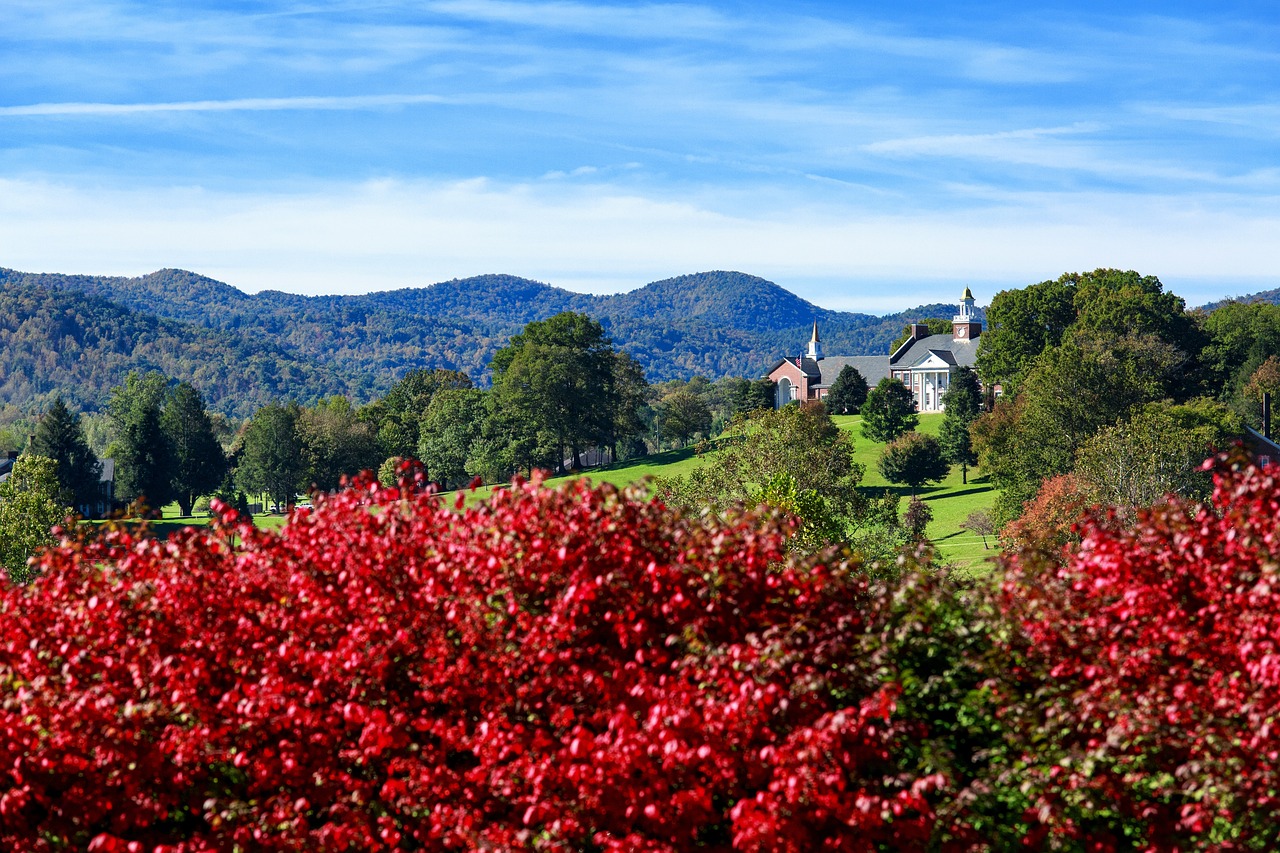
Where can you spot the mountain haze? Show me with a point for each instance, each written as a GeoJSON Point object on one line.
{"type": "Point", "coordinates": [78, 335]}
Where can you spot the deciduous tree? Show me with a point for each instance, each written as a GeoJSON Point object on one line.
{"type": "Point", "coordinates": [30, 506]}
{"type": "Point", "coordinates": [558, 376]}
{"type": "Point", "coordinates": [681, 415]}
{"type": "Point", "coordinates": [1158, 452]}
{"type": "Point", "coordinates": [335, 443]}
{"type": "Point", "coordinates": [450, 428]}
{"type": "Point", "coordinates": [913, 459]}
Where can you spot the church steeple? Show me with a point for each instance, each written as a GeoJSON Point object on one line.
{"type": "Point", "coordinates": [966, 325]}
{"type": "Point", "coordinates": [815, 345]}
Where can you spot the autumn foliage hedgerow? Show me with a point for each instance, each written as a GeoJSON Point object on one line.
{"type": "Point", "coordinates": [1150, 703]}
{"type": "Point", "coordinates": [559, 670]}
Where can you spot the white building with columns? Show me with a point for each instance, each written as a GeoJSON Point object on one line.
{"type": "Point", "coordinates": [923, 362]}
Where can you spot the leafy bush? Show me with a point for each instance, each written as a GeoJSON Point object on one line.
{"type": "Point", "coordinates": [1150, 674]}
{"type": "Point", "coordinates": [557, 670]}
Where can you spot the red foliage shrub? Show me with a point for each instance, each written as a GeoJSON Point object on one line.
{"type": "Point", "coordinates": [1047, 519]}
{"type": "Point", "coordinates": [560, 670]}
{"type": "Point", "coordinates": [1152, 703]}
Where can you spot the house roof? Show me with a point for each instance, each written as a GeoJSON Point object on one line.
{"type": "Point", "coordinates": [962, 353]}
{"type": "Point", "coordinates": [872, 367]}
{"type": "Point", "coordinates": [107, 471]}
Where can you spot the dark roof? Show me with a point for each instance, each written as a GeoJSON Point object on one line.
{"type": "Point", "coordinates": [807, 365]}
{"type": "Point", "coordinates": [960, 353]}
{"type": "Point", "coordinates": [872, 367]}
{"type": "Point", "coordinates": [823, 372]}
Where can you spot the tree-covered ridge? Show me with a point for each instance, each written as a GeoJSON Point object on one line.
{"type": "Point", "coordinates": [58, 341]}
{"type": "Point", "coordinates": [713, 324]}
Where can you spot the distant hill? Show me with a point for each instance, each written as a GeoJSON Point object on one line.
{"type": "Point", "coordinates": [242, 349]}
{"type": "Point", "coordinates": [79, 346]}
{"type": "Point", "coordinates": [1272, 296]}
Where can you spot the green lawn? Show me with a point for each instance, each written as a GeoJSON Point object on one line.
{"type": "Point", "coordinates": [950, 500]}
{"type": "Point", "coordinates": [172, 521]}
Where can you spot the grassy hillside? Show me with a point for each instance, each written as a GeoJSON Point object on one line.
{"type": "Point", "coordinates": [951, 500]}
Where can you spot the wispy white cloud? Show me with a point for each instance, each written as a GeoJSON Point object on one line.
{"type": "Point", "coordinates": [645, 20]}
{"type": "Point", "coordinates": [380, 235]}
{"type": "Point", "coordinates": [352, 102]}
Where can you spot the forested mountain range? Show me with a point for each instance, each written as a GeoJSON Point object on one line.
{"type": "Point", "coordinates": [78, 335]}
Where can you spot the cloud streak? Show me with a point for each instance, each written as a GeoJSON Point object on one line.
{"type": "Point", "coordinates": [348, 102]}
{"type": "Point", "coordinates": [387, 234]}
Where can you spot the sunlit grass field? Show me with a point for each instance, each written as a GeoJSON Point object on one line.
{"type": "Point", "coordinates": [951, 501]}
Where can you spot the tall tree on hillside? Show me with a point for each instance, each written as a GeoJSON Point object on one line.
{"type": "Point", "coordinates": [631, 396]}
{"type": "Point", "coordinates": [889, 411]}
{"type": "Point", "coordinates": [335, 442]}
{"type": "Point", "coordinates": [1021, 324]}
{"type": "Point", "coordinates": [143, 454]}
{"type": "Point", "coordinates": [396, 417]}
{"type": "Point", "coordinates": [199, 464]}
{"type": "Point", "coordinates": [962, 404]}
{"type": "Point", "coordinates": [683, 414]}
{"type": "Point", "coordinates": [848, 392]}
{"type": "Point", "coordinates": [272, 460]}
{"type": "Point", "coordinates": [558, 374]}
{"type": "Point", "coordinates": [450, 428]}
{"type": "Point", "coordinates": [60, 436]}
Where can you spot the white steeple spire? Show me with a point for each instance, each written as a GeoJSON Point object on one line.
{"type": "Point", "coordinates": [815, 345]}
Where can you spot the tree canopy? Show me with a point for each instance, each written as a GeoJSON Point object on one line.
{"type": "Point", "coordinates": [962, 405]}
{"type": "Point", "coordinates": [913, 459]}
{"type": "Point", "coordinates": [199, 464]}
{"type": "Point", "coordinates": [59, 435]}
{"type": "Point", "coordinates": [847, 393]}
{"type": "Point", "coordinates": [30, 506]}
{"type": "Point", "coordinates": [889, 411]}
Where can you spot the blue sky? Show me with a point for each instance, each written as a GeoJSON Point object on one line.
{"type": "Point", "coordinates": [866, 156]}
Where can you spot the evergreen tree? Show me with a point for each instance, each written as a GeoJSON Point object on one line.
{"type": "Point", "coordinates": [889, 411]}
{"type": "Point", "coordinates": [962, 404]}
{"type": "Point", "coordinates": [143, 454]}
{"type": "Point", "coordinates": [60, 436]}
{"type": "Point", "coordinates": [847, 393]}
{"type": "Point", "coordinates": [198, 461]}
{"type": "Point", "coordinates": [272, 460]}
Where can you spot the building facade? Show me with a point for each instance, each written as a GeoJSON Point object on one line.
{"type": "Point", "coordinates": [923, 362]}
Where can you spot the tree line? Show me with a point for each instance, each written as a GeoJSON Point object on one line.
{"type": "Point", "coordinates": [560, 389]}
{"type": "Point", "coordinates": [1114, 392]}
